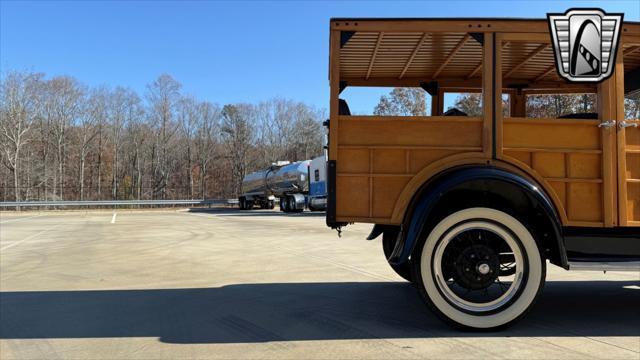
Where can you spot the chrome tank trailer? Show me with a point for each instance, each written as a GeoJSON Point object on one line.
{"type": "Point", "coordinates": [278, 180]}
{"type": "Point", "coordinates": [285, 181]}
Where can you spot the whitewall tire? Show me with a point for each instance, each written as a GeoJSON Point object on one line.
{"type": "Point", "coordinates": [479, 268]}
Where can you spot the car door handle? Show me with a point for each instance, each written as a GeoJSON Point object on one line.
{"type": "Point", "coordinates": [625, 124]}
{"type": "Point", "coordinates": [607, 124]}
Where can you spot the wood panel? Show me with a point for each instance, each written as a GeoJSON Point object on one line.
{"type": "Point", "coordinates": [334, 83]}
{"type": "Point", "coordinates": [380, 155]}
{"type": "Point", "coordinates": [381, 158]}
{"type": "Point", "coordinates": [607, 110]}
{"type": "Point", "coordinates": [629, 174]}
{"type": "Point", "coordinates": [628, 139]}
{"type": "Point", "coordinates": [568, 156]}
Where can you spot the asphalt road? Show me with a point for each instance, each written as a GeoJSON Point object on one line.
{"type": "Point", "coordinates": [261, 284]}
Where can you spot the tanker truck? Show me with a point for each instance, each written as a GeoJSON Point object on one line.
{"type": "Point", "coordinates": [287, 181]}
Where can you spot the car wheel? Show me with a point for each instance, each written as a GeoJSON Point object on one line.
{"type": "Point", "coordinates": [388, 243]}
{"type": "Point", "coordinates": [479, 268]}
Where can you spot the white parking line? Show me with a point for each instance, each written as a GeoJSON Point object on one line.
{"type": "Point", "coordinates": [29, 237]}
{"type": "Point", "coordinates": [113, 219]}
{"type": "Point", "coordinates": [20, 219]}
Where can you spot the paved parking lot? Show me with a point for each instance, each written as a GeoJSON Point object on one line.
{"type": "Point", "coordinates": [262, 284]}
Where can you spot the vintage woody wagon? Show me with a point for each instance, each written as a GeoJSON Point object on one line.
{"type": "Point", "coordinates": [471, 206]}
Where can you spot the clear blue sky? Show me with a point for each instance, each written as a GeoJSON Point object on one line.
{"type": "Point", "coordinates": [223, 52]}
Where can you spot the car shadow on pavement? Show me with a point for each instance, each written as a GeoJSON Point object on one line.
{"type": "Point", "coordinates": [301, 311]}
{"type": "Point", "coordinates": [255, 212]}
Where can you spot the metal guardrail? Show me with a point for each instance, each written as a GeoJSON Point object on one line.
{"type": "Point", "coordinates": [118, 203]}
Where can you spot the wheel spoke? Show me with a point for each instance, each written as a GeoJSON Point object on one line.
{"type": "Point", "coordinates": [472, 264]}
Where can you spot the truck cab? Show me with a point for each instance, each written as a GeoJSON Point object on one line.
{"type": "Point", "coordinates": [472, 206]}
{"type": "Point", "coordinates": [317, 184]}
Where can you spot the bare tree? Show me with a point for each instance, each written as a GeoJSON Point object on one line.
{"type": "Point", "coordinates": [205, 141]}
{"type": "Point", "coordinates": [65, 93]}
{"type": "Point", "coordinates": [164, 145]}
{"type": "Point", "coordinates": [275, 123]}
{"type": "Point", "coordinates": [124, 106]}
{"type": "Point", "coordinates": [471, 104]}
{"type": "Point", "coordinates": [137, 133]}
{"type": "Point", "coordinates": [402, 101]}
{"type": "Point", "coordinates": [18, 101]}
{"type": "Point", "coordinates": [632, 106]}
{"type": "Point", "coordinates": [187, 116]}
{"type": "Point", "coordinates": [307, 132]}
{"type": "Point", "coordinates": [237, 133]}
{"type": "Point", "coordinates": [97, 109]}
{"type": "Point", "coordinates": [162, 95]}
{"type": "Point", "coordinates": [554, 105]}
{"type": "Point", "coordinates": [91, 118]}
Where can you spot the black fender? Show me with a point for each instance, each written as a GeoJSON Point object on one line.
{"type": "Point", "coordinates": [481, 180]}
{"type": "Point", "coordinates": [378, 229]}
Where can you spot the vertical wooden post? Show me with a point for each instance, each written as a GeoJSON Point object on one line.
{"type": "Point", "coordinates": [607, 111]}
{"type": "Point", "coordinates": [620, 158]}
{"type": "Point", "coordinates": [334, 104]}
{"type": "Point", "coordinates": [437, 103]}
{"type": "Point", "coordinates": [512, 95]}
{"type": "Point", "coordinates": [497, 98]}
{"type": "Point", "coordinates": [518, 104]}
{"type": "Point", "coordinates": [334, 83]}
{"type": "Point", "coordinates": [488, 94]}
{"type": "Point", "coordinates": [434, 105]}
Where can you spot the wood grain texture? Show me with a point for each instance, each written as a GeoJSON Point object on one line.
{"type": "Point", "coordinates": [628, 139]}
{"type": "Point", "coordinates": [488, 71]}
{"type": "Point", "coordinates": [334, 85]}
{"type": "Point", "coordinates": [567, 156]}
{"type": "Point", "coordinates": [591, 174]}
{"type": "Point", "coordinates": [381, 155]}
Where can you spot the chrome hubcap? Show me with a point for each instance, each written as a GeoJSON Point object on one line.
{"type": "Point", "coordinates": [484, 269]}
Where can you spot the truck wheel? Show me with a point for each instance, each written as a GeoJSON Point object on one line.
{"type": "Point", "coordinates": [291, 200]}
{"type": "Point", "coordinates": [459, 269]}
{"type": "Point", "coordinates": [388, 243]}
{"type": "Point", "coordinates": [284, 203]}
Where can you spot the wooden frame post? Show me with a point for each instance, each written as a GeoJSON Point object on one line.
{"type": "Point", "coordinates": [334, 83]}
{"type": "Point", "coordinates": [518, 104]}
{"type": "Point", "coordinates": [487, 94]}
{"type": "Point", "coordinates": [434, 105]}
{"type": "Point", "coordinates": [497, 95]}
{"type": "Point", "coordinates": [620, 158]}
{"type": "Point", "coordinates": [606, 112]}
{"type": "Point", "coordinates": [437, 103]}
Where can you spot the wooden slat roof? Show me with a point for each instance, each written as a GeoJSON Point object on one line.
{"type": "Point", "coordinates": [393, 52]}
{"type": "Point", "coordinates": [631, 53]}
{"type": "Point", "coordinates": [424, 54]}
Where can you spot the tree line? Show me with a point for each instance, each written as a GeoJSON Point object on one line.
{"type": "Point", "coordinates": [412, 102]}
{"type": "Point", "coordinates": [63, 140]}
